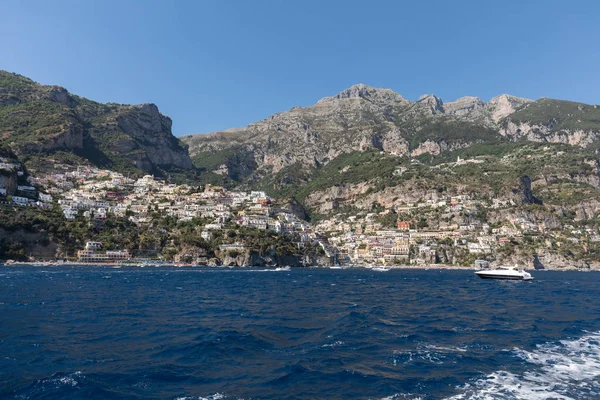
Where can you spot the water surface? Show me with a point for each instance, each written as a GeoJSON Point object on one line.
{"type": "Point", "coordinates": [169, 333]}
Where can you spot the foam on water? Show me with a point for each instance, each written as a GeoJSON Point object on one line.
{"type": "Point", "coordinates": [216, 396]}
{"type": "Point", "coordinates": [334, 344]}
{"type": "Point", "coordinates": [406, 396]}
{"type": "Point", "coordinates": [428, 353]}
{"type": "Point", "coordinates": [68, 380]}
{"type": "Point", "coordinates": [564, 370]}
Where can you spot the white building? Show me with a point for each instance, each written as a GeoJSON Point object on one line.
{"type": "Point", "coordinates": [20, 200]}
{"type": "Point", "coordinates": [46, 198]}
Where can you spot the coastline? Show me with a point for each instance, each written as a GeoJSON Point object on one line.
{"type": "Point", "coordinates": [147, 264]}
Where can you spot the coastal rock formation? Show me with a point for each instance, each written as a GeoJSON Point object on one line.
{"type": "Point", "coordinates": [24, 244]}
{"type": "Point", "coordinates": [255, 259]}
{"type": "Point", "coordinates": [545, 260]}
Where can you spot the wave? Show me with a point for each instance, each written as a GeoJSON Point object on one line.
{"type": "Point", "coordinates": [57, 384]}
{"type": "Point", "coordinates": [216, 396]}
{"type": "Point", "coordinates": [563, 370]}
{"type": "Point", "coordinates": [429, 354]}
{"type": "Point", "coordinates": [404, 396]}
{"type": "Point", "coordinates": [334, 344]}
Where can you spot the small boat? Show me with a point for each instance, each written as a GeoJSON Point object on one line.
{"type": "Point", "coordinates": [286, 268]}
{"type": "Point", "coordinates": [380, 269]}
{"type": "Point", "coordinates": [505, 272]}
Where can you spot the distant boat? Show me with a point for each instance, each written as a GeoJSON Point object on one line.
{"type": "Point", "coordinates": [335, 267]}
{"type": "Point", "coordinates": [381, 269]}
{"type": "Point", "coordinates": [505, 272]}
{"type": "Point", "coordinates": [286, 268]}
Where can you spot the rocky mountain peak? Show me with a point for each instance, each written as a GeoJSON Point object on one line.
{"type": "Point", "coordinates": [58, 94]}
{"type": "Point", "coordinates": [464, 105]}
{"type": "Point", "coordinates": [432, 103]}
{"type": "Point", "coordinates": [504, 105]}
{"type": "Point", "coordinates": [362, 91]}
{"type": "Point", "coordinates": [356, 91]}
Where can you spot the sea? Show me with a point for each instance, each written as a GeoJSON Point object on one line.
{"type": "Point", "coordinates": [89, 332]}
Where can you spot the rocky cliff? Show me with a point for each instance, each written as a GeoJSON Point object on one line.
{"type": "Point", "coordinates": [37, 121]}
{"type": "Point", "coordinates": [257, 259]}
{"type": "Point", "coordinates": [8, 181]}
{"type": "Point", "coordinates": [364, 118]}
{"type": "Point", "coordinates": [356, 119]}
{"type": "Point", "coordinates": [21, 244]}
{"type": "Point", "coordinates": [554, 121]}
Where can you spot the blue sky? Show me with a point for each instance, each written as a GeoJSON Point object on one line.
{"type": "Point", "coordinates": [212, 65]}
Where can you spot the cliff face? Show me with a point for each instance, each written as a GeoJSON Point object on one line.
{"type": "Point", "coordinates": [146, 137]}
{"type": "Point", "coordinates": [256, 259]}
{"type": "Point", "coordinates": [21, 245]}
{"type": "Point", "coordinates": [8, 181]}
{"type": "Point", "coordinates": [554, 121]}
{"type": "Point", "coordinates": [547, 260]}
{"type": "Point", "coordinates": [37, 120]}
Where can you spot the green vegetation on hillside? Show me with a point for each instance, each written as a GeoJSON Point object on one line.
{"type": "Point", "coordinates": [561, 176]}
{"type": "Point", "coordinates": [447, 130]}
{"type": "Point", "coordinates": [348, 168]}
{"type": "Point", "coordinates": [164, 236]}
{"type": "Point", "coordinates": [238, 161]}
{"type": "Point", "coordinates": [33, 122]}
{"type": "Point", "coordinates": [560, 115]}
{"type": "Point", "coordinates": [38, 121]}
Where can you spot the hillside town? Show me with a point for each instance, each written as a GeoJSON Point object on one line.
{"type": "Point", "coordinates": [440, 230]}
{"type": "Point", "coordinates": [94, 194]}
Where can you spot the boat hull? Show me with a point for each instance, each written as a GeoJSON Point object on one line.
{"type": "Point", "coordinates": [503, 276]}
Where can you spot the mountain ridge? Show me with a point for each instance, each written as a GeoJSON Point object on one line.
{"type": "Point", "coordinates": [344, 94]}
{"type": "Point", "coordinates": [356, 118]}
{"type": "Point", "coordinates": [42, 122]}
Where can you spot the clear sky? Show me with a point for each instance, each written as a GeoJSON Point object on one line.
{"type": "Point", "coordinates": [212, 65]}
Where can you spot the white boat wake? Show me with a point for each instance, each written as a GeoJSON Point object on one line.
{"type": "Point", "coordinates": [564, 370]}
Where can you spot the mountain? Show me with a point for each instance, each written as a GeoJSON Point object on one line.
{"type": "Point", "coordinates": [41, 123]}
{"type": "Point", "coordinates": [362, 117]}
{"type": "Point", "coordinates": [358, 118]}
{"type": "Point", "coordinates": [518, 177]}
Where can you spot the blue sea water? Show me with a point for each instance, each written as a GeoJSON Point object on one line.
{"type": "Point", "coordinates": [170, 333]}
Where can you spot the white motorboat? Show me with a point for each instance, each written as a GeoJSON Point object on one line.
{"type": "Point", "coordinates": [380, 269]}
{"type": "Point", "coordinates": [505, 272]}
